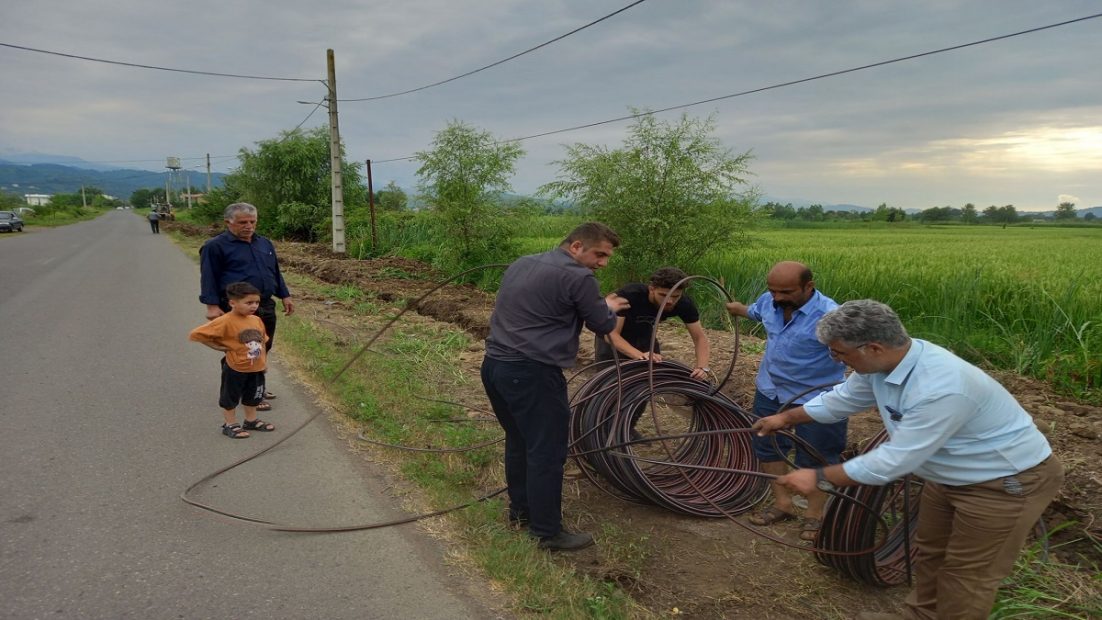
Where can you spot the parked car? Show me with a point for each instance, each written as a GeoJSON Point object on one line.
{"type": "Point", "coordinates": [10, 222]}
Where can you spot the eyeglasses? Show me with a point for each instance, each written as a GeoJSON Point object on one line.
{"type": "Point", "coordinates": [836, 354]}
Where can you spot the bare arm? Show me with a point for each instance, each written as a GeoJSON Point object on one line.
{"type": "Point", "coordinates": [738, 309]}
{"type": "Point", "coordinates": [702, 348]}
{"type": "Point", "coordinates": [623, 346]}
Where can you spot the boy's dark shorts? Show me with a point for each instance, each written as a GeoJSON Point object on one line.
{"type": "Point", "coordinates": [246, 388]}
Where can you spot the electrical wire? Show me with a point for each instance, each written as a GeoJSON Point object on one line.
{"type": "Point", "coordinates": [778, 85]}
{"type": "Point", "coordinates": [142, 66]}
{"type": "Point", "coordinates": [499, 62]}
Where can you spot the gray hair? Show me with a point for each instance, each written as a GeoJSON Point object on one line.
{"type": "Point", "coordinates": [860, 322]}
{"type": "Point", "coordinates": [238, 207]}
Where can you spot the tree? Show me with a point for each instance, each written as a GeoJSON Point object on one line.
{"type": "Point", "coordinates": [1065, 211]}
{"type": "Point", "coordinates": [1090, 217]}
{"type": "Point", "coordinates": [672, 192]}
{"type": "Point", "coordinates": [391, 198]}
{"type": "Point", "coordinates": [1001, 215]}
{"type": "Point", "coordinates": [10, 201]}
{"type": "Point", "coordinates": [285, 173]}
{"type": "Point", "coordinates": [968, 214]}
{"type": "Point", "coordinates": [460, 179]}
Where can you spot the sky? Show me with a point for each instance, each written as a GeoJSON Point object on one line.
{"type": "Point", "coordinates": [1015, 121]}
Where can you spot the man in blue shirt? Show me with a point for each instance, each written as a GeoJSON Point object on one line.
{"type": "Point", "coordinates": [241, 255]}
{"type": "Point", "coordinates": [989, 471]}
{"type": "Point", "coordinates": [543, 301]}
{"type": "Point", "coordinates": [795, 367]}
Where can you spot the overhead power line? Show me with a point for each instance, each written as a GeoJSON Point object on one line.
{"type": "Point", "coordinates": [783, 84]}
{"type": "Point", "coordinates": [141, 66]}
{"type": "Point", "coordinates": [502, 61]}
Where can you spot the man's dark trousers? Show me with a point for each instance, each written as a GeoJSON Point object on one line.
{"type": "Point", "coordinates": [530, 402]}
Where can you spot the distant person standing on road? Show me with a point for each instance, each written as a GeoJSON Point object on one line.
{"type": "Point", "coordinates": [154, 221]}
{"type": "Point", "coordinates": [543, 301]}
{"type": "Point", "coordinates": [241, 255]}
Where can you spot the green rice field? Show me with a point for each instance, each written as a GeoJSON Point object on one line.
{"type": "Point", "coordinates": [1023, 299]}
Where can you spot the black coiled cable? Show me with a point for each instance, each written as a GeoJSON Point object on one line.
{"type": "Point", "coordinates": [605, 412]}
{"type": "Point", "coordinates": [851, 525]}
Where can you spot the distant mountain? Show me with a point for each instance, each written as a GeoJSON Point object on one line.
{"type": "Point", "coordinates": [46, 158]}
{"type": "Point", "coordinates": [48, 178]}
{"type": "Point", "coordinates": [797, 203]}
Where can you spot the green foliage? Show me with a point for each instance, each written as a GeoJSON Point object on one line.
{"type": "Point", "coordinates": [298, 220]}
{"type": "Point", "coordinates": [10, 201]}
{"type": "Point", "coordinates": [391, 198]}
{"type": "Point", "coordinates": [460, 178]}
{"type": "Point", "coordinates": [1065, 211]}
{"type": "Point", "coordinates": [213, 207]}
{"type": "Point", "coordinates": [293, 169]}
{"type": "Point", "coordinates": [672, 192]}
{"type": "Point", "coordinates": [1004, 215]}
{"type": "Point", "coordinates": [145, 197]}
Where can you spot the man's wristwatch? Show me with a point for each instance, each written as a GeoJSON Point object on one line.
{"type": "Point", "coordinates": [821, 482]}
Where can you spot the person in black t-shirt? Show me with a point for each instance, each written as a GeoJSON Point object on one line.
{"type": "Point", "coordinates": [632, 334]}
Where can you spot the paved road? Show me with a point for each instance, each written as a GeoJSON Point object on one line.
{"type": "Point", "coordinates": [107, 413]}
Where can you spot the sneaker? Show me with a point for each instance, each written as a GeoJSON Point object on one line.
{"type": "Point", "coordinates": [566, 541]}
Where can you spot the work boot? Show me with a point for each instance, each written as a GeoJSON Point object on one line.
{"type": "Point", "coordinates": [566, 541]}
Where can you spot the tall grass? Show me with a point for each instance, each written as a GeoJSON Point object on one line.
{"type": "Point", "coordinates": [1023, 299]}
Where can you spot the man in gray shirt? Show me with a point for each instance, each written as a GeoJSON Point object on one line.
{"type": "Point", "coordinates": [541, 306]}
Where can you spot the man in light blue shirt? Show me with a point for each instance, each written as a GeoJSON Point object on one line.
{"type": "Point", "coordinates": [989, 471]}
{"type": "Point", "coordinates": [795, 367]}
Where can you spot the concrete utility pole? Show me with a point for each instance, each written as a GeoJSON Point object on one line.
{"type": "Point", "coordinates": [208, 174]}
{"type": "Point", "coordinates": [335, 158]}
{"type": "Point", "coordinates": [83, 198]}
{"type": "Point", "coordinates": [188, 175]}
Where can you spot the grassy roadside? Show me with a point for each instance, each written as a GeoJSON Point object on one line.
{"type": "Point", "coordinates": [62, 217]}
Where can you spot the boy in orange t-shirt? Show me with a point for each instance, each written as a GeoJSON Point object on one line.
{"type": "Point", "coordinates": [240, 335]}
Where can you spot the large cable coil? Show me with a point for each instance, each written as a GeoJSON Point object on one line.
{"type": "Point", "coordinates": [850, 523]}
{"type": "Point", "coordinates": [688, 418]}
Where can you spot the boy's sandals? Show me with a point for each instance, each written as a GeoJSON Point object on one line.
{"type": "Point", "coordinates": [264, 406]}
{"type": "Point", "coordinates": [809, 529]}
{"type": "Point", "coordinates": [234, 431]}
{"type": "Point", "coordinates": [268, 395]}
{"type": "Point", "coordinates": [771, 515]}
{"type": "Point", "coordinates": [258, 425]}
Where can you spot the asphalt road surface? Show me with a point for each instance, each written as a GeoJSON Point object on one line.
{"type": "Point", "coordinates": [108, 412]}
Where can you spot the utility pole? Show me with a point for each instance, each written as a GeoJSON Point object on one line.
{"type": "Point", "coordinates": [83, 198]}
{"type": "Point", "coordinates": [188, 176]}
{"type": "Point", "coordinates": [371, 203]}
{"type": "Point", "coordinates": [335, 158]}
{"type": "Point", "coordinates": [208, 174]}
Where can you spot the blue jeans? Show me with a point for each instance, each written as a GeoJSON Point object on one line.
{"type": "Point", "coordinates": [828, 439]}
{"type": "Point", "coordinates": [530, 402]}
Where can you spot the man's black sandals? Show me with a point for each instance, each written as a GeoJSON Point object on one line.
{"type": "Point", "coordinates": [258, 425]}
